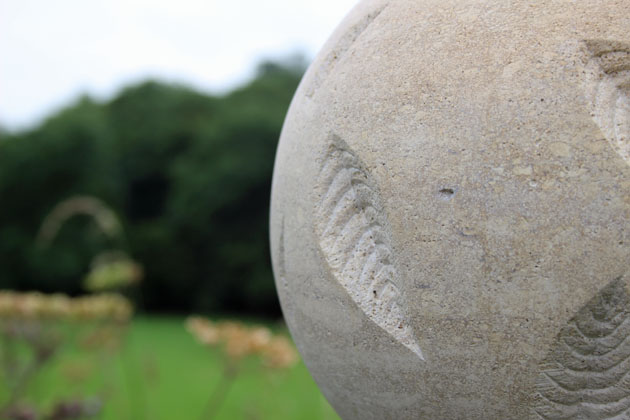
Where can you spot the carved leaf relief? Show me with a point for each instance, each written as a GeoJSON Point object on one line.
{"type": "Point", "coordinates": [608, 90]}
{"type": "Point", "coordinates": [355, 242]}
{"type": "Point", "coordinates": [342, 46]}
{"type": "Point", "coordinates": [586, 375]}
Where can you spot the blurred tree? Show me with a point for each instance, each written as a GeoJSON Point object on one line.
{"type": "Point", "coordinates": [188, 174]}
{"type": "Point", "coordinates": [66, 155]}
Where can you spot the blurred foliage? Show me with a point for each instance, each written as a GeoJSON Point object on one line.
{"type": "Point", "coordinates": [36, 328]}
{"type": "Point", "coordinates": [160, 372]}
{"type": "Point", "coordinates": [112, 270]}
{"type": "Point", "coordinates": [188, 174]}
{"type": "Point", "coordinates": [237, 341]}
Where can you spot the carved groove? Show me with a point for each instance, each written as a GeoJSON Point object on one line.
{"type": "Point", "coordinates": [353, 238]}
{"type": "Point", "coordinates": [343, 45]}
{"type": "Point", "coordinates": [587, 374]}
{"type": "Point", "coordinates": [609, 91]}
{"type": "Point", "coordinates": [282, 275]}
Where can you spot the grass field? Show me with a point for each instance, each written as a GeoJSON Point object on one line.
{"type": "Point", "coordinates": [164, 374]}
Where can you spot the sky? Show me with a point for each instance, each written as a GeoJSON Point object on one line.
{"type": "Point", "coordinates": [52, 51]}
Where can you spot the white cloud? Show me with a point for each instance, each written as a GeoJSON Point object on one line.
{"type": "Point", "coordinates": [51, 51]}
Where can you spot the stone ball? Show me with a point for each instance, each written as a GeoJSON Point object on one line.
{"type": "Point", "coordinates": [450, 216]}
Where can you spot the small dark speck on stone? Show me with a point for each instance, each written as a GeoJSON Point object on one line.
{"type": "Point", "coordinates": [446, 193]}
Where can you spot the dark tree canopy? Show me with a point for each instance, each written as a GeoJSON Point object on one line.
{"type": "Point", "coordinates": [188, 174]}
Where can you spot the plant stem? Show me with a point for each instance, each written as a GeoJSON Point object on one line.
{"type": "Point", "coordinates": [21, 383]}
{"type": "Point", "coordinates": [220, 392]}
{"type": "Point", "coordinates": [135, 388]}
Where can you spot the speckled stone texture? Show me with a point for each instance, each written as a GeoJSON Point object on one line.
{"type": "Point", "coordinates": [450, 217]}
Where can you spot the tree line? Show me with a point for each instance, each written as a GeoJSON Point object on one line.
{"type": "Point", "coordinates": [188, 174]}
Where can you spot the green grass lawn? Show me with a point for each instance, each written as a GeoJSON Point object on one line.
{"type": "Point", "coordinates": [164, 374]}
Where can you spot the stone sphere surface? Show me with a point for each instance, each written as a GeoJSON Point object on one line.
{"type": "Point", "coordinates": [450, 216]}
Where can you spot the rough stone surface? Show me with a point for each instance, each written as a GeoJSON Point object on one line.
{"type": "Point", "coordinates": [450, 221]}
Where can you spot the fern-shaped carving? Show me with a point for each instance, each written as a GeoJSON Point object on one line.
{"type": "Point", "coordinates": [354, 239]}
{"type": "Point", "coordinates": [608, 89]}
{"type": "Point", "coordinates": [331, 59]}
{"type": "Point", "coordinates": [587, 373]}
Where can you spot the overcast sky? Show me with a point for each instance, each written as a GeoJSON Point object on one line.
{"type": "Point", "coordinates": [53, 50]}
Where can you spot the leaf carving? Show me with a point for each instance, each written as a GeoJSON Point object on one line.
{"type": "Point", "coordinates": [343, 45]}
{"type": "Point", "coordinates": [608, 90]}
{"type": "Point", "coordinates": [354, 239]}
{"type": "Point", "coordinates": [587, 373]}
